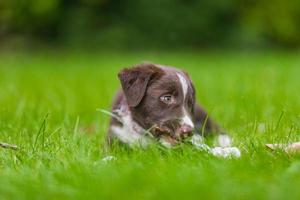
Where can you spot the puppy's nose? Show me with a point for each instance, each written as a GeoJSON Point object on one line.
{"type": "Point", "coordinates": [186, 130]}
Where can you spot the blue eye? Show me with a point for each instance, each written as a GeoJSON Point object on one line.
{"type": "Point", "coordinates": [167, 99]}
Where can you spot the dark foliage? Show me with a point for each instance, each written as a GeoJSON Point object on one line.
{"type": "Point", "coordinates": [155, 23]}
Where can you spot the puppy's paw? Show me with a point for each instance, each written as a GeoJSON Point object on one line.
{"type": "Point", "coordinates": [226, 152]}
{"type": "Point", "coordinates": [223, 140]}
{"type": "Point", "coordinates": [198, 142]}
{"type": "Point", "coordinates": [109, 158]}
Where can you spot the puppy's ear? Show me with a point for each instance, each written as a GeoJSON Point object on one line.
{"type": "Point", "coordinates": [135, 80]}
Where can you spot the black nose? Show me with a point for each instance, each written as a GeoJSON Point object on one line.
{"type": "Point", "coordinates": [186, 130]}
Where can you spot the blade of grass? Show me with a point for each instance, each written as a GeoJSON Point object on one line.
{"type": "Point", "coordinates": [41, 131]}
{"type": "Point", "coordinates": [110, 114]}
{"type": "Point", "coordinates": [76, 127]}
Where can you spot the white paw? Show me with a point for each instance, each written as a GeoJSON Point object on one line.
{"type": "Point", "coordinates": [202, 147]}
{"type": "Point", "coordinates": [197, 139]}
{"type": "Point", "coordinates": [226, 152]}
{"type": "Point", "coordinates": [198, 142]}
{"type": "Point", "coordinates": [109, 158]}
{"type": "Point", "coordinates": [224, 141]}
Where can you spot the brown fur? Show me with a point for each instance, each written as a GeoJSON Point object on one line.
{"type": "Point", "coordinates": [142, 87]}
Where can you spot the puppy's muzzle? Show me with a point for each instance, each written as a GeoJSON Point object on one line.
{"type": "Point", "coordinates": [179, 133]}
{"type": "Point", "coordinates": [185, 131]}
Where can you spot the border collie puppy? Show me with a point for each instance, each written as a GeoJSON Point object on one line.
{"type": "Point", "coordinates": [158, 102]}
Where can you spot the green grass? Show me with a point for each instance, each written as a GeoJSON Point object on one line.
{"type": "Point", "coordinates": [48, 107]}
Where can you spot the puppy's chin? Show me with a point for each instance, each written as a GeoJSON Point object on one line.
{"type": "Point", "coordinates": [167, 137]}
{"type": "Point", "coordinates": [159, 131]}
{"type": "Point", "coordinates": [168, 141]}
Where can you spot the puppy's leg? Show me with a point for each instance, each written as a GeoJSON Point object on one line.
{"type": "Point", "coordinates": [205, 126]}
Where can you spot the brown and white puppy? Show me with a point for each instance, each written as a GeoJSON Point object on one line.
{"type": "Point", "coordinates": [159, 100]}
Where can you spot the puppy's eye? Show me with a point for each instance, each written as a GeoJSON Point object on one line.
{"type": "Point", "coordinates": [167, 99]}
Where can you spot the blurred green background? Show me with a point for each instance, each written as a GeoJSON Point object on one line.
{"type": "Point", "coordinates": [151, 24]}
{"type": "Point", "coordinates": [59, 61]}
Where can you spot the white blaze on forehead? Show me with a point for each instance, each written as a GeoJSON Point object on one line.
{"type": "Point", "coordinates": [186, 119]}
{"type": "Point", "coordinates": [184, 84]}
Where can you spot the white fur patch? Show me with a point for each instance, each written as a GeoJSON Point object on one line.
{"type": "Point", "coordinates": [226, 152]}
{"type": "Point", "coordinates": [184, 84]}
{"type": "Point", "coordinates": [109, 158]}
{"type": "Point", "coordinates": [224, 141]}
{"type": "Point", "coordinates": [198, 141]}
{"type": "Point", "coordinates": [130, 133]}
{"type": "Point", "coordinates": [127, 136]}
{"type": "Point", "coordinates": [186, 119]}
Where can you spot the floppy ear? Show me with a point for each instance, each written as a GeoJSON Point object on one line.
{"type": "Point", "coordinates": [135, 80]}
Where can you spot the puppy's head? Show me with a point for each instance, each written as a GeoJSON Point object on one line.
{"type": "Point", "coordinates": [160, 99]}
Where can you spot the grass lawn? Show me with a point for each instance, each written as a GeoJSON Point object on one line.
{"type": "Point", "coordinates": [48, 107]}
